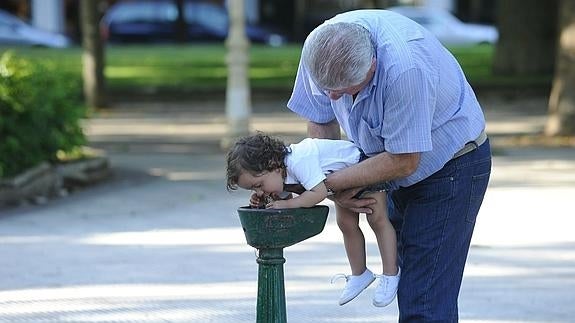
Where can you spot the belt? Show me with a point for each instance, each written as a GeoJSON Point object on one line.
{"type": "Point", "coordinates": [472, 145]}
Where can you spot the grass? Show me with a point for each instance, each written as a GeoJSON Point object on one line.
{"type": "Point", "coordinates": [476, 62]}
{"type": "Point", "coordinates": [198, 67]}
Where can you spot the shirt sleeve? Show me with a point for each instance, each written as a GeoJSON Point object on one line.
{"type": "Point", "coordinates": [408, 114]}
{"type": "Point", "coordinates": [308, 175]}
{"type": "Point", "coordinates": [308, 100]}
{"type": "Point", "coordinates": [305, 166]}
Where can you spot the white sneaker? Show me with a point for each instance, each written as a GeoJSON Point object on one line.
{"type": "Point", "coordinates": [354, 285]}
{"type": "Point", "coordinates": [386, 289]}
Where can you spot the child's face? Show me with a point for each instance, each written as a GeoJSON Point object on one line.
{"type": "Point", "coordinates": [264, 184]}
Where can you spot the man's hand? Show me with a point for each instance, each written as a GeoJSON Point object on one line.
{"type": "Point", "coordinates": [347, 200]}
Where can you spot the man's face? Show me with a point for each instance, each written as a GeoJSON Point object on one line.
{"type": "Point", "coordinates": [354, 89]}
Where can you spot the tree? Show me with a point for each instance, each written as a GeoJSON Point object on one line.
{"type": "Point", "coordinates": [93, 55]}
{"type": "Point", "coordinates": [238, 100]}
{"type": "Point", "coordinates": [527, 37]}
{"type": "Point", "coordinates": [561, 117]}
{"type": "Point", "coordinates": [181, 28]}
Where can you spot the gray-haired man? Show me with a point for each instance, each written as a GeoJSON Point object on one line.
{"type": "Point", "coordinates": [404, 100]}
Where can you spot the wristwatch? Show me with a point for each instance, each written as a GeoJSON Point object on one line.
{"type": "Point", "coordinates": [329, 190]}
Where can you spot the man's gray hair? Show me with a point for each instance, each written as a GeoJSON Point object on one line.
{"type": "Point", "coordinates": [338, 55]}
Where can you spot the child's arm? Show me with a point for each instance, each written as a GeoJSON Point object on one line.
{"type": "Point", "coordinates": [306, 199]}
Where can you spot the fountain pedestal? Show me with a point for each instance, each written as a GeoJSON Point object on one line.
{"type": "Point", "coordinates": [270, 231]}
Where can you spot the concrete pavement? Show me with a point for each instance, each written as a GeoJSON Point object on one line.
{"type": "Point", "coordinates": [161, 241]}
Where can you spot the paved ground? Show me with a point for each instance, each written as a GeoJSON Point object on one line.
{"type": "Point", "coordinates": [161, 241]}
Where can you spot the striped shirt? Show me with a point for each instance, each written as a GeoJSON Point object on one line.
{"type": "Point", "coordinates": [417, 101]}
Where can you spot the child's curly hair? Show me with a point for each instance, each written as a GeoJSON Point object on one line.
{"type": "Point", "coordinates": [254, 154]}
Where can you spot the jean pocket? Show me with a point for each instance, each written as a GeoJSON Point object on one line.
{"type": "Point", "coordinates": [478, 188]}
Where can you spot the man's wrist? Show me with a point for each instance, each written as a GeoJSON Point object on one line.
{"type": "Point", "coordinates": [330, 191]}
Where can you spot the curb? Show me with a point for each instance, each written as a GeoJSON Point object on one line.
{"type": "Point", "coordinates": [41, 182]}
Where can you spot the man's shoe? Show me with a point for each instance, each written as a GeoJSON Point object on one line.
{"type": "Point", "coordinates": [386, 289]}
{"type": "Point", "coordinates": [354, 285]}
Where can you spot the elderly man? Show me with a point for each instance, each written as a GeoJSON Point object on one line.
{"type": "Point", "coordinates": [400, 96]}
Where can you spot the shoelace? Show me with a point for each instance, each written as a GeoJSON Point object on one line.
{"type": "Point", "coordinates": [338, 276]}
{"type": "Point", "coordinates": [382, 281]}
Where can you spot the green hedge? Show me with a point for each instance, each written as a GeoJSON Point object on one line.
{"type": "Point", "coordinates": [40, 113]}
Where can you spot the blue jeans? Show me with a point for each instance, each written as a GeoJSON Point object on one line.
{"type": "Point", "coordinates": [434, 220]}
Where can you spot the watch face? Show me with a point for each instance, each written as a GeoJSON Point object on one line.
{"type": "Point", "coordinates": [329, 190]}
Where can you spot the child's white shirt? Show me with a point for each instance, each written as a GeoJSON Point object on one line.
{"type": "Point", "coordinates": [312, 159]}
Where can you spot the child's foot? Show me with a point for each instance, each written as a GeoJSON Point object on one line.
{"type": "Point", "coordinates": [386, 289]}
{"type": "Point", "coordinates": [354, 285]}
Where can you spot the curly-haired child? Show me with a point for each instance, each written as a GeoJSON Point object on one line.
{"type": "Point", "coordinates": [266, 165]}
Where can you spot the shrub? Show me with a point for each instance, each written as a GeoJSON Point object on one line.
{"type": "Point", "coordinates": [40, 114]}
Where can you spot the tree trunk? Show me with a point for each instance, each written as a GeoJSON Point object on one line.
{"type": "Point", "coordinates": [527, 37]}
{"type": "Point", "coordinates": [561, 117]}
{"type": "Point", "coordinates": [299, 20]}
{"type": "Point", "coordinates": [181, 28]}
{"type": "Point", "coordinates": [93, 54]}
{"type": "Point", "coordinates": [238, 100]}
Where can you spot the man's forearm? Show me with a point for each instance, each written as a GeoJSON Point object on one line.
{"type": "Point", "coordinates": [376, 169]}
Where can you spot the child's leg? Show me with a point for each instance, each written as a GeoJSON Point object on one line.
{"type": "Point", "coordinates": [384, 233]}
{"type": "Point", "coordinates": [353, 239]}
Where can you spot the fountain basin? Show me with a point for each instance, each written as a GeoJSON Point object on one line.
{"type": "Point", "coordinates": [279, 228]}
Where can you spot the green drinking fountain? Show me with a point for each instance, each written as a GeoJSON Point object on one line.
{"type": "Point", "coordinates": [270, 231]}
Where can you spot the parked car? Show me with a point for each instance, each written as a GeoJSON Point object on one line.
{"type": "Point", "coordinates": [447, 28]}
{"type": "Point", "coordinates": [14, 31]}
{"type": "Point", "coordinates": [155, 21]}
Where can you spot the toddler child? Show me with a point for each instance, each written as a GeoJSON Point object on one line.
{"type": "Point", "coordinates": [264, 165]}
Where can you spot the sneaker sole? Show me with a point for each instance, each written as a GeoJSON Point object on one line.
{"type": "Point", "coordinates": [356, 295]}
{"type": "Point", "coordinates": [376, 304]}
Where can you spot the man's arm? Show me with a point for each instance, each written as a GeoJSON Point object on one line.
{"type": "Point", "coordinates": [376, 169]}
{"type": "Point", "coordinates": [379, 168]}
